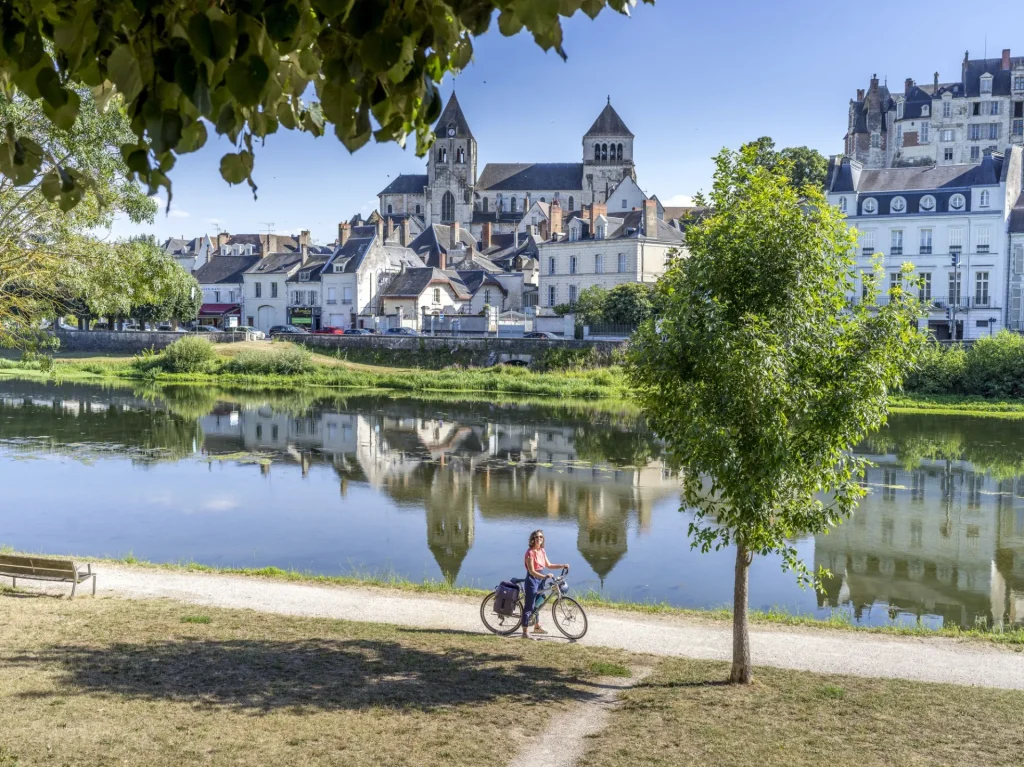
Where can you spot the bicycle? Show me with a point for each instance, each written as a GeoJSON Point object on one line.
{"type": "Point", "coordinates": [568, 614]}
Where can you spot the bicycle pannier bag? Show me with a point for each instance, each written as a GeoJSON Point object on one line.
{"type": "Point", "coordinates": [505, 597]}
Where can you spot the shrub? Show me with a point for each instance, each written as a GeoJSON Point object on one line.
{"type": "Point", "coordinates": [939, 370]}
{"type": "Point", "coordinates": [188, 355]}
{"type": "Point", "coordinates": [287, 360]}
{"type": "Point", "coordinates": [995, 366]}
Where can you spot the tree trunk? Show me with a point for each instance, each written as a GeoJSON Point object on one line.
{"type": "Point", "coordinates": [742, 672]}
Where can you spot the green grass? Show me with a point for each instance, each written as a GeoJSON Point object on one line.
{"type": "Point", "coordinates": [604, 668]}
{"type": "Point", "coordinates": [201, 619]}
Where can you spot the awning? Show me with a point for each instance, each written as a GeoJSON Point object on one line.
{"type": "Point", "coordinates": [219, 310]}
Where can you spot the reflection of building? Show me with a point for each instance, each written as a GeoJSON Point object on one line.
{"type": "Point", "coordinates": [929, 541]}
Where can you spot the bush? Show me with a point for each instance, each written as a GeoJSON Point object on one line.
{"type": "Point", "coordinates": [188, 355]}
{"type": "Point", "coordinates": [288, 360]}
{"type": "Point", "coordinates": [940, 370]}
{"type": "Point", "coordinates": [995, 366]}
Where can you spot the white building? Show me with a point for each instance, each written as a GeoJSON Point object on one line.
{"type": "Point", "coordinates": [222, 282]}
{"type": "Point", "coordinates": [596, 248]}
{"type": "Point", "coordinates": [189, 254]}
{"type": "Point", "coordinates": [926, 215]}
{"type": "Point", "coordinates": [417, 294]}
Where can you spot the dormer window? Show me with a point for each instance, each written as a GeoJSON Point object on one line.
{"type": "Point", "coordinates": [985, 199]}
{"type": "Point", "coordinates": [898, 205]}
{"type": "Point", "coordinates": [947, 109]}
{"type": "Point", "coordinates": [986, 83]}
{"type": "Point", "coordinates": [899, 110]}
{"type": "Point", "coordinates": [927, 204]}
{"type": "Point", "coordinates": [599, 234]}
{"type": "Point", "coordinates": [303, 276]}
{"type": "Point", "coordinates": [957, 202]}
{"type": "Point", "coordinates": [926, 111]}
{"type": "Point", "coordinates": [870, 206]}
{"type": "Point", "coordinates": [1018, 82]}
{"type": "Point", "coordinates": [842, 205]}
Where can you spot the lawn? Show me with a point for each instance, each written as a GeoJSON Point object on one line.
{"type": "Point", "coordinates": [683, 715]}
{"type": "Point", "coordinates": [111, 681]}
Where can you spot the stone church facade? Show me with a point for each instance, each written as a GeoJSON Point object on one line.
{"type": "Point", "coordinates": [451, 191]}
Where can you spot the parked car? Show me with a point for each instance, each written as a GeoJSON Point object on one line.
{"type": "Point", "coordinates": [359, 332]}
{"type": "Point", "coordinates": [207, 329]}
{"type": "Point", "coordinates": [537, 334]}
{"type": "Point", "coordinates": [279, 329]}
{"type": "Point", "coordinates": [401, 332]}
{"type": "Point", "coordinates": [327, 330]}
{"type": "Point", "coordinates": [166, 327]}
{"type": "Point", "coordinates": [258, 335]}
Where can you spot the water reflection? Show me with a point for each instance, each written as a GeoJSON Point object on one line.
{"type": "Point", "coordinates": [325, 482]}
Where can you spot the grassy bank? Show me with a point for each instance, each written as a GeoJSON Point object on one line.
{"type": "Point", "coordinates": [839, 620]}
{"type": "Point", "coordinates": [111, 681]}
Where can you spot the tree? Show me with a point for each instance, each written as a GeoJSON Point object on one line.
{"type": "Point", "coordinates": [47, 249]}
{"type": "Point", "coordinates": [802, 164]}
{"type": "Point", "coordinates": [243, 69]}
{"type": "Point", "coordinates": [760, 377]}
{"type": "Point", "coordinates": [629, 304]}
{"type": "Point", "coordinates": [590, 305]}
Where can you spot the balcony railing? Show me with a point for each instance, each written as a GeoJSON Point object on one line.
{"type": "Point", "coordinates": [933, 303]}
{"type": "Point", "coordinates": [983, 248]}
{"type": "Point", "coordinates": [867, 251]}
{"type": "Point", "coordinates": [896, 250]}
{"type": "Point", "coordinates": [332, 301]}
{"type": "Point", "coordinates": [925, 250]}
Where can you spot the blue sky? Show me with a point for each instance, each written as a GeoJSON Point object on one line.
{"type": "Point", "coordinates": [688, 78]}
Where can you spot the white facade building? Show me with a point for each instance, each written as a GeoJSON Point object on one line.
{"type": "Point", "coordinates": [927, 216]}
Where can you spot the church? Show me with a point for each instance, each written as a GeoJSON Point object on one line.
{"type": "Point", "coordinates": [452, 192]}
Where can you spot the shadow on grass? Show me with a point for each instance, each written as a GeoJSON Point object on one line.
{"type": "Point", "coordinates": [316, 674]}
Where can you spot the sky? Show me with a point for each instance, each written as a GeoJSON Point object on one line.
{"type": "Point", "coordinates": [688, 78]}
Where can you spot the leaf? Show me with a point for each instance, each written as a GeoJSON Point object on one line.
{"type": "Point", "coordinates": [192, 138]}
{"type": "Point", "coordinates": [20, 158]}
{"type": "Point", "coordinates": [48, 83]}
{"type": "Point", "coordinates": [200, 34]}
{"type": "Point", "coordinates": [164, 130]}
{"type": "Point", "coordinates": [246, 79]}
{"type": "Point", "coordinates": [65, 116]}
{"type": "Point", "coordinates": [509, 24]}
{"type": "Point", "coordinates": [124, 72]}
{"type": "Point", "coordinates": [186, 73]}
{"type": "Point", "coordinates": [236, 167]}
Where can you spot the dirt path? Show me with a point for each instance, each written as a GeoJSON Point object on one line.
{"type": "Point", "coordinates": [821, 650]}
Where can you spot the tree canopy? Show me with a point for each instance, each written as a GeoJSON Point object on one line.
{"type": "Point", "coordinates": [802, 164]}
{"type": "Point", "coordinates": [244, 68]}
{"type": "Point", "coordinates": [759, 374]}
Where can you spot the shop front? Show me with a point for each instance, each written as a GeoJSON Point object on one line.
{"type": "Point", "coordinates": [223, 316]}
{"type": "Point", "coordinates": [305, 317]}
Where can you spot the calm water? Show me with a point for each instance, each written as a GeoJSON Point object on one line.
{"type": "Point", "coordinates": [449, 489]}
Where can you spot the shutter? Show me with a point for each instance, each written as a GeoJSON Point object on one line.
{"type": "Point", "coordinates": [1018, 260]}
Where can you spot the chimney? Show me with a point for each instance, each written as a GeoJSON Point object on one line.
{"type": "Point", "coordinates": [1006, 59]}
{"type": "Point", "coordinates": [406, 232]}
{"type": "Point", "coordinates": [650, 218]}
{"type": "Point", "coordinates": [874, 83]}
{"type": "Point", "coordinates": [486, 236]}
{"type": "Point", "coordinates": [544, 233]}
{"type": "Point", "coordinates": [597, 210]}
{"type": "Point", "coordinates": [907, 85]}
{"type": "Point", "coordinates": [222, 240]}
{"type": "Point", "coordinates": [442, 260]}
{"type": "Point", "coordinates": [344, 232]}
{"type": "Point", "coordinates": [304, 245]}
{"type": "Point", "coordinates": [453, 236]}
{"type": "Point", "coordinates": [555, 218]}
{"type": "Point", "coordinates": [380, 228]}
{"type": "Point", "coordinates": [390, 227]}
{"type": "Point", "coordinates": [936, 90]}
{"type": "Point", "coordinates": [860, 94]}
{"type": "Point", "coordinates": [963, 70]}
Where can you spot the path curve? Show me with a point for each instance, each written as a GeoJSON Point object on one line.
{"type": "Point", "coordinates": [923, 659]}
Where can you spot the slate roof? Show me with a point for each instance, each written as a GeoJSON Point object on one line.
{"type": "Point", "coordinates": [926, 177]}
{"type": "Point", "coordinates": [351, 254]}
{"type": "Point", "coordinates": [433, 240]}
{"type": "Point", "coordinates": [178, 246]}
{"type": "Point", "coordinates": [523, 176]}
{"type": "Point", "coordinates": [314, 267]}
{"type": "Point", "coordinates": [452, 115]}
{"type": "Point", "coordinates": [275, 263]}
{"type": "Point", "coordinates": [224, 269]}
{"type": "Point", "coordinates": [476, 278]}
{"type": "Point", "coordinates": [1001, 78]}
{"type": "Point", "coordinates": [412, 282]}
{"type": "Point", "coordinates": [673, 213]}
{"type": "Point", "coordinates": [630, 225]}
{"type": "Point", "coordinates": [406, 183]}
{"type": "Point", "coordinates": [608, 123]}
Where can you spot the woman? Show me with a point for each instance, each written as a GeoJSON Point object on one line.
{"type": "Point", "coordinates": [536, 561]}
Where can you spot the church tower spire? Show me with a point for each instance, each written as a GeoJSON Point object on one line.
{"type": "Point", "coordinates": [451, 168]}
{"type": "Point", "coordinates": [607, 155]}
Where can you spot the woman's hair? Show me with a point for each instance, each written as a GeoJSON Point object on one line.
{"type": "Point", "coordinates": [534, 536]}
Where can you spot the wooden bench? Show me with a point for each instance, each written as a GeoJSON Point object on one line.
{"type": "Point", "coordinates": [46, 569]}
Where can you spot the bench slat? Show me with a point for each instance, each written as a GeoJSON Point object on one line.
{"type": "Point", "coordinates": [29, 567]}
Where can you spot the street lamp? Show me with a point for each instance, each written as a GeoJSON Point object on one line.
{"type": "Point", "coordinates": [954, 299]}
{"type": "Point", "coordinates": [991, 324]}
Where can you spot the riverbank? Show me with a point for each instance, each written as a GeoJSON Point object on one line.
{"type": "Point", "coordinates": [165, 682]}
{"type": "Point", "coordinates": [839, 620]}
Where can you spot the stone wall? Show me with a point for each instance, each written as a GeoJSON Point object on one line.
{"type": "Point", "coordinates": [129, 342]}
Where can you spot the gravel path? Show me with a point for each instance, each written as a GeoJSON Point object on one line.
{"type": "Point", "coordinates": [821, 650]}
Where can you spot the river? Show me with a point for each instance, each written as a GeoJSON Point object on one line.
{"type": "Point", "coordinates": [449, 489]}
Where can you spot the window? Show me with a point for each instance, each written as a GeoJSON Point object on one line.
{"type": "Point", "coordinates": [993, 131]}
{"type": "Point", "coordinates": [216, 296]}
{"type": "Point", "coordinates": [986, 84]}
{"type": "Point", "coordinates": [437, 295]}
{"type": "Point", "coordinates": [947, 109]}
{"type": "Point", "coordinates": [312, 298]}
{"type": "Point", "coordinates": [842, 204]}
{"type": "Point", "coordinates": [898, 205]}
{"type": "Point", "coordinates": [947, 154]}
{"type": "Point", "coordinates": [975, 153]}
{"type": "Point", "coordinates": [597, 152]}
{"type": "Point", "coordinates": [974, 132]}
{"type": "Point", "coordinates": [273, 290]}
{"type": "Point", "coordinates": [956, 240]}
{"type": "Point", "coordinates": [876, 141]}
{"type": "Point", "coordinates": [442, 155]}
{"type": "Point", "coordinates": [604, 151]}
{"type": "Point", "coordinates": [418, 209]}
{"type": "Point", "coordinates": [947, 135]}
{"type": "Point", "coordinates": [976, 109]}
{"type": "Point", "coordinates": [899, 110]}
{"type": "Point", "coordinates": [895, 280]}
{"type": "Point", "coordinates": [572, 264]}
{"type": "Point", "coordinates": [515, 204]}
{"type": "Point", "coordinates": [896, 243]}
{"type": "Point", "coordinates": [249, 321]}
{"type": "Point", "coordinates": [867, 243]}
{"type": "Point", "coordinates": [927, 204]}
{"type": "Point", "coordinates": [983, 242]}
{"type": "Point", "coordinates": [625, 203]}
{"type": "Point", "coordinates": [955, 282]}
{"type": "Point", "coordinates": [1018, 259]}
{"type": "Point", "coordinates": [925, 110]}
{"type": "Point", "coordinates": [993, 107]}
{"type": "Point", "coordinates": [1018, 108]}
{"type": "Point", "coordinates": [622, 262]}
{"type": "Point", "coordinates": [460, 155]}
{"type": "Point", "coordinates": [448, 208]}
{"type": "Point", "coordinates": [572, 203]}
{"type": "Point", "coordinates": [981, 288]}
{"type": "Point", "coordinates": [332, 296]}
{"type": "Point", "coordinates": [957, 202]}
{"type": "Point", "coordinates": [924, 291]}
{"type": "Point", "coordinates": [297, 297]}
{"type": "Point", "coordinates": [1017, 128]}
{"type": "Point", "coordinates": [923, 136]}
{"type": "Point", "coordinates": [572, 294]}
{"type": "Point", "coordinates": [985, 198]}
{"type": "Point", "coordinates": [574, 232]}
{"type": "Point", "coordinates": [599, 234]}
{"type": "Point", "coordinates": [926, 242]}
{"type": "Point", "coordinates": [346, 295]}
{"type": "Point", "coordinates": [552, 294]}
{"type": "Point", "coordinates": [259, 289]}
{"type": "Point", "coordinates": [484, 204]}
{"type": "Point", "coordinates": [551, 265]}
{"type": "Point", "coordinates": [598, 264]}
{"type": "Point", "coordinates": [1018, 83]}
{"type": "Point", "coordinates": [487, 296]}
{"type": "Point", "coordinates": [867, 280]}
{"type": "Point", "coordinates": [390, 210]}
{"type": "Point", "coordinates": [870, 206]}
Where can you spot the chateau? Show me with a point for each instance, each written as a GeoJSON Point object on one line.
{"type": "Point", "coordinates": [452, 192]}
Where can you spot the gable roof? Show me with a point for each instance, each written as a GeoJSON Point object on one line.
{"type": "Point", "coordinates": [1001, 78]}
{"type": "Point", "coordinates": [406, 183]}
{"type": "Point", "coordinates": [608, 123]}
{"type": "Point", "coordinates": [314, 267]}
{"type": "Point", "coordinates": [224, 269]}
{"type": "Point", "coordinates": [434, 240]}
{"type": "Point", "coordinates": [412, 282]}
{"type": "Point", "coordinates": [523, 176]}
{"type": "Point", "coordinates": [275, 263]}
{"type": "Point", "coordinates": [452, 115]}
{"type": "Point", "coordinates": [475, 279]}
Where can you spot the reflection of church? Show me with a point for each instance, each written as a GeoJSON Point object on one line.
{"type": "Point", "coordinates": [942, 539]}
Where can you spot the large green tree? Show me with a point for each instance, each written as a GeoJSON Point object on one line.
{"type": "Point", "coordinates": [243, 68]}
{"type": "Point", "coordinates": [629, 303]}
{"type": "Point", "coordinates": [802, 164]}
{"type": "Point", "coordinates": [761, 377]}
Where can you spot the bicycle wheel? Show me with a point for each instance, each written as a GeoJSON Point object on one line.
{"type": "Point", "coordinates": [569, 617]}
{"type": "Point", "coordinates": [503, 625]}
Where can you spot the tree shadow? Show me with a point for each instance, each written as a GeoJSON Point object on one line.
{"type": "Point", "coordinates": [316, 674]}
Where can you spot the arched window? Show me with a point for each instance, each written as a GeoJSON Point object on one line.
{"type": "Point", "coordinates": [597, 151]}
{"type": "Point", "coordinates": [604, 151]}
{"type": "Point", "coordinates": [842, 204]}
{"type": "Point", "coordinates": [619, 153]}
{"type": "Point", "coordinates": [448, 208]}
{"type": "Point", "coordinates": [543, 199]}
{"type": "Point", "coordinates": [957, 202]}
{"type": "Point", "coordinates": [418, 211]}
{"type": "Point", "coordinates": [390, 211]}
{"type": "Point", "coordinates": [571, 203]}
{"type": "Point", "coordinates": [927, 204]}
{"type": "Point", "coordinates": [460, 155]}
{"type": "Point", "coordinates": [442, 155]}
{"type": "Point", "coordinates": [515, 204]}
{"type": "Point", "coordinates": [485, 204]}
{"type": "Point", "coordinates": [983, 202]}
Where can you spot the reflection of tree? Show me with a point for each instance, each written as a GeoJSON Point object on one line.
{"type": "Point", "coordinates": [619, 447]}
